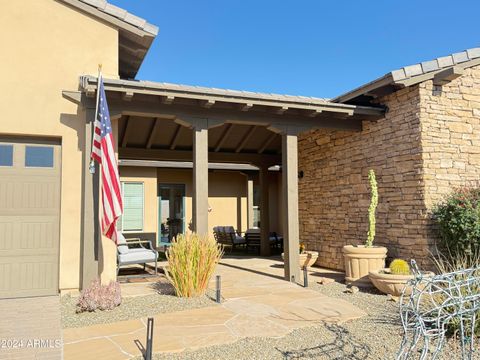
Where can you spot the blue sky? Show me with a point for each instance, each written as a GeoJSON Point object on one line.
{"type": "Point", "coordinates": [304, 47]}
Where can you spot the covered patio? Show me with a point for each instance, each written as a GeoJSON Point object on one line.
{"type": "Point", "coordinates": [159, 122]}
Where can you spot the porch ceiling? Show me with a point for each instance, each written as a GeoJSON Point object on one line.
{"type": "Point", "coordinates": [159, 133]}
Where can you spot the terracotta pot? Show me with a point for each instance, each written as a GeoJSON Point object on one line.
{"type": "Point", "coordinates": [307, 258]}
{"type": "Point", "coordinates": [360, 260]}
{"type": "Point", "coordinates": [392, 284]}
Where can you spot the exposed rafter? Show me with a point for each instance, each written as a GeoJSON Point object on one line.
{"type": "Point", "coordinates": [223, 137]}
{"type": "Point", "coordinates": [153, 131]}
{"type": "Point", "coordinates": [125, 133]}
{"type": "Point", "coordinates": [314, 113]}
{"type": "Point", "coordinates": [168, 99]}
{"type": "Point", "coordinates": [281, 111]}
{"type": "Point", "coordinates": [207, 103]}
{"type": "Point", "coordinates": [127, 95]}
{"type": "Point", "coordinates": [175, 137]}
{"type": "Point", "coordinates": [267, 142]}
{"type": "Point", "coordinates": [246, 107]}
{"type": "Point", "coordinates": [245, 139]}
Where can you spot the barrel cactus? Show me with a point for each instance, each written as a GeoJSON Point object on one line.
{"type": "Point", "coordinates": [399, 267]}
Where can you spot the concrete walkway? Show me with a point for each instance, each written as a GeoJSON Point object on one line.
{"type": "Point", "coordinates": [257, 302]}
{"type": "Point", "coordinates": [30, 328]}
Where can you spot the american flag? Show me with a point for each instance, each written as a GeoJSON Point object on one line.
{"type": "Point", "coordinates": [103, 152]}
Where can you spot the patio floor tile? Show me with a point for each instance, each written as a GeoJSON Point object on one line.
{"type": "Point", "coordinates": [101, 348]}
{"type": "Point", "coordinates": [257, 302]}
{"type": "Point", "coordinates": [94, 331]}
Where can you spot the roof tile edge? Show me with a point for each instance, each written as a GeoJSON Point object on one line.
{"type": "Point", "coordinates": [123, 15]}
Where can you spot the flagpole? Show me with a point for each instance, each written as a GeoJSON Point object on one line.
{"type": "Point", "coordinates": [92, 163]}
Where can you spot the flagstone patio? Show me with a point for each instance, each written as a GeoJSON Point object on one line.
{"type": "Point", "coordinates": [256, 302]}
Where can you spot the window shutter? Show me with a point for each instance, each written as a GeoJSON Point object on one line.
{"type": "Point", "coordinates": [132, 219]}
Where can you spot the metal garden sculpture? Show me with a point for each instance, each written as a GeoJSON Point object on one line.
{"type": "Point", "coordinates": [435, 305]}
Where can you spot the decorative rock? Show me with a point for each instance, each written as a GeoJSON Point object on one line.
{"type": "Point", "coordinates": [325, 281]}
{"type": "Point", "coordinates": [352, 289]}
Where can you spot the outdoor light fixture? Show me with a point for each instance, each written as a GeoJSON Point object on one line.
{"type": "Point", "coordinates": [218, 290]}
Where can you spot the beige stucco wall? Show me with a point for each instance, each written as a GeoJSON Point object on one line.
{"type": "Point", "coordinates": [147, 176]}
{"type": "Point", "coordinates": [46, 46]}
{"type": "Point", "coordinates": [227, 196]}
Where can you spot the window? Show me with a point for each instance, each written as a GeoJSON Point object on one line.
{"type": "Point", "coordinates": [38, 156]}
{"type": "Point", "coordinates": [6, 155]}
{"type": "Point", "coordinates": [132, 218]}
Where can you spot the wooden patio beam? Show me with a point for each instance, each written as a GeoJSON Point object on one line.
{"type": "Point", "coordinates": [324, 120]}
{"type": "Point", "coordinates": [187, 155]}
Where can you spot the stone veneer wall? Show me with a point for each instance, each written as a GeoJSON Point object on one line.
{"type": "Point", "coordinates": [427, 143]}
{"type": "Point", "coordinates": [450, 123]}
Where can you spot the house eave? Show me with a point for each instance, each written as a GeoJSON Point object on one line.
{"type": "Point", "coordinates": [278, 104]}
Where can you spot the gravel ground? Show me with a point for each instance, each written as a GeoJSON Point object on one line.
{"type": "Point", "coordinates": [376, 336]}
{"type": "Point", "coordinates": [131, 308]}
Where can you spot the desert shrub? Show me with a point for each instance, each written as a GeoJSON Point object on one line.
{"type": "Point", "coordinates": [447, 262]}
{"type": "Point", "coordinates": [458, 220]}
{"type": "Point", "coordinates": [99, 297]}
{"type": "Point", "coordinates": [399, 267]}
{"type": "Point", "coordinates": [191, 263]}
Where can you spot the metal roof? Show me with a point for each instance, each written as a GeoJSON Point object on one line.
{"type": "Point", "coordinates": [123, 15]}
{"type": "Point", "coordinates": [410, 75]}
{"type": "Point", "coordinates": [226, 93]}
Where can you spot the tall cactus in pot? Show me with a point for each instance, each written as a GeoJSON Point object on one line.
{"type": "Point", "coordinates": [372, 208]}
{"type": "Point", "coordinates": [361, 259]}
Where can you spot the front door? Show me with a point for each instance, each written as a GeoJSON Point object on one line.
{"type": "Point", "coordinates": [171, 198]}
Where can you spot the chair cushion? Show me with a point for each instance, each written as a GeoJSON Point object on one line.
{"type": "Point", "coordinates": [137, 256]}
{"type": "Point", "coordinates": [229, 229]}
{"type": "Point", "coordinates": [239, 240]}
{"type": "Point", "coordinates": [122, 246]}
{"type": "Point", "coordinates": [273, 238]}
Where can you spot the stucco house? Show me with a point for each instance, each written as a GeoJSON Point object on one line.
{"type": "Point", "coordinates": [192, 158]}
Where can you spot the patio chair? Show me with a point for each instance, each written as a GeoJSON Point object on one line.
{"type": "Point", "coordinates": [227, 235]}
{"type": "Point", "coordinates": [143, 253]}
{"type": "Point", "coordinates": [253, 238]}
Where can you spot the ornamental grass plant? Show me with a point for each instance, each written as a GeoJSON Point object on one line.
{"type": "Point", "coordinates": [192, 259]}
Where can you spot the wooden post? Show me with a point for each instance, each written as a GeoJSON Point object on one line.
{"type": "Point", "coordinates": [290, 203]}
{"type": "Point", "coordinates": [249, 203]}
{"type": "Point", "coordinates": [200, 177]}
{"type": "Point", "coordinates": [264, 212]}
{"type": "Point", "coordinates": [90, 232]}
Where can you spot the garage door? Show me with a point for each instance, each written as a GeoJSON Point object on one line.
{"type": "Point", "coordinates": [29, 217]}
